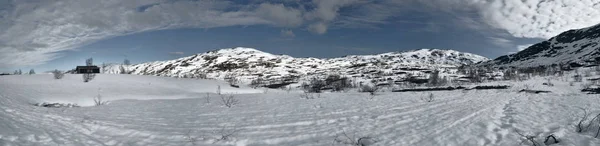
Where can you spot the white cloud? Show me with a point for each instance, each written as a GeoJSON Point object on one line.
{"type": "Point", "coordinates": [280, 15]}
{"type": "Point", "coordinates": [32, 32]}
{"type": "Point", "coordinates": [287, 33]}
{"type": "Point", "coordinates": [502, 42]}
{"type": "Point", "coordinates": [540, 19]}
{"type": "Point", "coordinates": [318, 28]}
{"type": "Point", "coordinates": [176, 53]}
{"type": "Point", "coordinates": [523, 47]}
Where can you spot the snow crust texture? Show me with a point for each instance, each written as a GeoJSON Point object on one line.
{"type": "Point", "coordinates": [164, 111]}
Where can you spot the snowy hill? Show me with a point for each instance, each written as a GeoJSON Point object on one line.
{"type": "Point", "coordinates": [573, 46]}
{"type": "Point", "coordinates": [248, 64]}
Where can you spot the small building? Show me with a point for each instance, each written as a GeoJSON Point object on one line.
{"type": "Point", "coordinates": [87, 69]}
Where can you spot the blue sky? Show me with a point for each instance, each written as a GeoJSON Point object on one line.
{"type": "Point", "coordinates": [48, 35]}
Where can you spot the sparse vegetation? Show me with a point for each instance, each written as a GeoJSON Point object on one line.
{"type": "Point", "coordinates": [98, 101]}
{"type": "Point", "coordinates": [229, 100]}
{"type": "Point", "coordinates": [315, 85]}
{"type": "Point", "coordinates": [429, 98]}
{"type": "Point", "coordinates": [584, 125]}
{"type": "Point", "coordinates": [353, 141]}
{"type": "Point", "coordinates": [207, 98]}
{"type": "Point", "coordinates": [232, 80]}
{"type": "Point", "coordinates": [370, 89]}
{"type": "Point", "coordinates": [226, 134]}
{"type": "Point", "coordinates": [308, 95]}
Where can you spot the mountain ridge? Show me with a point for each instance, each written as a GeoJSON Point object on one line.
{"type": "Point", "coordinates": [576, 46]}
{"type": "Point", "coordinates": [250, 63]}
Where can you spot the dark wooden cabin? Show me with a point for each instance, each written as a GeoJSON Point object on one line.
{"type": "Point", "coordinates": [87, 69]}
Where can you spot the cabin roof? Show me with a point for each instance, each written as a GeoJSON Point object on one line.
{"type": "Point", "coordinates": [87, 67]}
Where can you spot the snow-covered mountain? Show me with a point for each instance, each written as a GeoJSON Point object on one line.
{"type": "Point", "coordinates": [573, 46]}
{"type": "Point", "coordinates": [249, 63]}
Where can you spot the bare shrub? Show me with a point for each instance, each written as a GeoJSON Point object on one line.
{"type": "Point", "coordinates": [353, 141]}
{"type": "Point", "coordinates": [429, 98]}
{"type": "Point", "coordinates": [122, 70]}
{"type": "Point", "coordinates": [218, 89]}
{"type": "Point", "coordinates": [229, 100]}
{"type": "Point", "coordinates": [232, 79]}
{"type": "Point", "coordinates": [257, 82]}
{"type": "Point", "coordinates": [226, 134]}
{"type": "Point", "coordinates": [338, 83]}
{"type": "Point", "coordinates": [528, 138]}
{"type": "Point", "coordinates": [308, 95]}
{"type": "Point", "coordinates": [88, 77]}
{"type": "Point", "coordinates": [314, 86]}
{"type": "Point", "coordinates": [584, 125]}
{"type": "Point", "coordinates": [189, 138]}
{"type": "Point", "coordinates": [58, 74]}
{"type": "Point", "coordinates": [551, 139]}
{"type": "Point", "coordinates": [98, 100]}
{"type": "Point", "coordinates": [31, 72]}
{"type": "Point", "coordinates": [207, 98]}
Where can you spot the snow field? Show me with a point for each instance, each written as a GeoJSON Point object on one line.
{"type": "Point", "coordinates": [175, 112]}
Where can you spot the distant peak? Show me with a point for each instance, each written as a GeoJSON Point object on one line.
{"type": "Point", "coordinates": [237, 50]}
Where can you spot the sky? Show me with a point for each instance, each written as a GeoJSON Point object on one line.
{"type": "Point", "coordinates": [60, 34]}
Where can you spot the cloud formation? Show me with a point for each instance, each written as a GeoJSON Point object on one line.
{"type": "Point", "coordinates": [34, 32]}
{"type": "Point", "coordinates": [287, 33]}
{"type": "Point", "coordinates": [176, 53]}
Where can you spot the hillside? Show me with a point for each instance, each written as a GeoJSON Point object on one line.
{"type": "Point", "coordinates": [248, 64]}
{"type": "Point", "coordinates": [578, 46]}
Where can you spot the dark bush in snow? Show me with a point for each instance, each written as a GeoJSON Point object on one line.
{"type": "Point", "coordinates": [88, 77]}
{"type": "Point", "coordinates": [58, 74]}
{"type": "Point", "coordinates": [337, 82]}
{"type": "Point", "coordinates": [229, 100]}
{"type": "Point", "coordinates": [314, 86]}
{"type": "Point", "coordinates": [98, 101]}
{"type": "Point", "coordinates": [353, 141]}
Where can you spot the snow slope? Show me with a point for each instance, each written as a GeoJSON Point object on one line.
{"type": "Point", "coordinates": [72, 89]}
{"type": "Point", "coordinates": [454, 118]}
{"type": "Point", "coordinates": [573, 46]}
{"type": "Point", "coordinates": [249, 63]}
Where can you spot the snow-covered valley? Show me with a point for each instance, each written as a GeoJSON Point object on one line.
{"type": "Point", "coordinates": [149, 110]}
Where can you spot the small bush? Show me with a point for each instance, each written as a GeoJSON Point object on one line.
{"type": "Point", "coordinates": [429, 98]}
{"type": "Point", "coordinates": [226, 134]}
{"type": "Point", "coordinates": [528, 138]}
{"type": "Point", "coordinates": [232, 79]}
{"type": "Point", "coordinates": [314, 86]}
{"type": "Point", "coordinates": [256, 83]}
{"type": "Point", "coordinates": [98, 101]}
{"type": "Point", "coordinates": [370, 89]}
{"type": "Point", "coordinates": [207, 98]}
{"type": "Point", "coordinates": [229, 100]}
{"type": "Point", "coordinates": [58, 74]}
{"type": "Point", "coordinates": [338, 83]}
{"type": "Point", "coordinates": [88, 77]}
